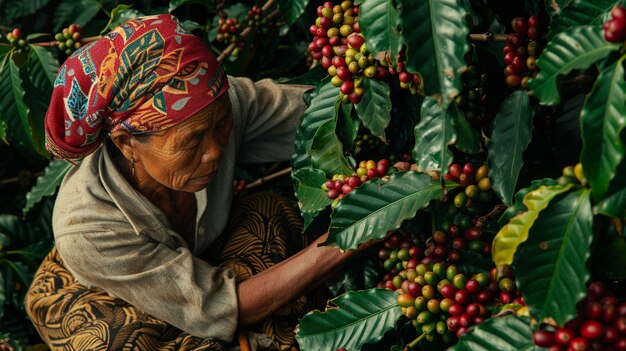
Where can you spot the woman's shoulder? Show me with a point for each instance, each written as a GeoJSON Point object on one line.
{"type": "Point", "coordinates": [83, 200]}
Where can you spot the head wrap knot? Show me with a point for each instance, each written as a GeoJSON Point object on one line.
{"type": "Point", "coordinates": [146, 75]}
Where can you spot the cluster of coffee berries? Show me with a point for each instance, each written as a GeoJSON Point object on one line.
{"type": "Point", "coordinates": [341, 49]}
{"type": "Point", "coordinates": [16, 40]}
{"type": "Point", "coordinates": [447, 245]}
{"type": "Point", "coordinates": [441, 302]}
{"type": "Point", "coordinates": [615, 28]}
{"type": "Point", "coordinates": [572, 175]}
{"type": "Point", "coordinates": [600, 324]}
{"type": "Point", "coordinates": [409, 81]}
{"type": "Point", "coordinates": [69, 40]}
{"type": "Point", "coordinates": [473, 94]}
{"type": "Point", "coordinates": [401, 250]}
{"type": "Point", "coordinates": [477, 186]}
{"type": "Point", "coordinates": [340, 185]}
{"type": "Point", "coordinates": [255, 19]}
{"type": "Point", "coordinates": [521, 50]}
{"type": "Point", "coordinates": [228, 30]}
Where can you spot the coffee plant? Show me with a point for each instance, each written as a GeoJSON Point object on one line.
{"type": "Point", "coordinates": [479, 143]}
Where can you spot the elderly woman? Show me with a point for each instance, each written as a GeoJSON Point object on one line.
{"type": "Point", "coordinates": [148, 255]}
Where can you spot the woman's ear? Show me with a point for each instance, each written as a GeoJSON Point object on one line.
{"type": "Point", "coordinates": [122, 140]}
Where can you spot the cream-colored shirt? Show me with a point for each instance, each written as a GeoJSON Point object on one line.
{"type": "Point", "coordinates": [110, 236]}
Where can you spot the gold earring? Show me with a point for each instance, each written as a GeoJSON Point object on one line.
{"type": "Point", "coordinates": [132, 166]}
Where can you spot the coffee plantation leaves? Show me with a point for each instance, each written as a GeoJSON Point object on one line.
{"type": "Point", "coordinates": [579, 13]}
{"type": "Point", "coordinates": [321, 109]}
{"type": "Point", "coordinates": [13, 110]}
{"type": "Point", "coordinates": [508, 333]}
{"type": "Point", "coordinates": [613, 205]}
{"type": "Point", "coordinates": [375, 108]}
{"type": "Point", "coordinates": [42, 68]}
{"type": "Point", "coordinates": [47, 183]}
{"type": "Point", "coordinates": [370, 211]}
{"type": "Point", "coordinates": [551, 268]}
{"type": "Point", "coordinates": [516, 231]}
{"type": "Point", "coordinates": [602, 121]}
{"type": "Point", "coordinates": [360, 317]}
{"type": "Point", "coordinates": [75, 11]}
{"type": "Point", "coordinates": [468, 140]}
{"type": "Point", "coordinates": [512, 131]}
{"type": "Point", "coordinates": [327, 150]}
{"type": "Point", "coordinates": [16, 9]}
{"type": "Point", "coordinates": [3, 131]}
{"type": "Point", "coordinates": [348, 125]}
{"type": "Point", "coordinates": [290, 10]}
{"type": "Point", "coordinates": [433, 134]}
{"type": "Point", "coordinates": [378, 20]}
{"type": "Point", "coordinates": [435, 34]}
{"type": "Point", "coordinates": [518, 205]}
{"type": "Point", "coordinates": [574, 49]}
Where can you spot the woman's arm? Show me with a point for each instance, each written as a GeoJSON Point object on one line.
{"type": "Point", "coordinates": [262, 294]}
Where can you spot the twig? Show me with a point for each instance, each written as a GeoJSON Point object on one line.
{"type": "Point", "coordinates": [414, 343]}
{"type": "Point", "coordinates": [230, 48]}
{"type": "Point", "coordinates": [17, 179]}
{"type": "Point", "coordinates": [496, 212]}
{"type": "Point", "coordinates": [488, 37]}
{"type": "Point", "coordinates": [266, 179]}
{"type": "Point", "coordinates": [267, 5]}
{"type": "Point", "coordinates": [244, 342]}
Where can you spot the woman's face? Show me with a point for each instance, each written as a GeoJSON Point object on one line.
{"type": "Point", "coordinates": [185, 157]}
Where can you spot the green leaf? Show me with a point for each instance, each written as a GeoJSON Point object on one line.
{"type": "Point", "coordinates": [509, 333]}
{"type": "Point", "coordinates": [115, 15]}
{"type": "Point", "coordinates": [3, 297]}
{"type": "Point", "coordinates": [23, 8]}
{"type": "Point", "coordinates": [33, 253]}
{"type": "Point", "coordinates": [23, 271]}
{"type": "Point", "coordinates": [468, 140]}
{"type": "Point", "coordinates": [75, 11]}
{"type": "Point", "coordinates": [3, 131]}
{"type": "Point", "coordinates": [613, 205]}
{"type": "Point", "coordinates": [361, 274]}
{"type": "Point", "coordinates": [370, 211]}
{"type": "Point", "coordinates": [512, 132]}
{"type": "Point", "coordinates": [321, 109]}
{"type": "Point", "coordinates": [348, 126]}
{"type": "Point", "coordinates": [47, 183]}
{"type": "Point", "coordinates": [433, 134]}
{"type": "Point", "coordinates": [291, 10]}
{"type": "Point", "coordinates": [435, 34]}
{"type": "Point", "coordinates": [327, 150]}
{"type": "Point", "coordinates": [375, 108]}
{"type": "Point", "coordinates": [360, 317]}
{"type": "Point", "coordinates": [378, 21]}
{"type": "Point", "coordinates": [602, 121]}
{"type": "Point", "coordinates": [174, 4]}
{"type": "Point", "coordinates": [552, 264]}
{"type": "Point", "coordinates": [516, 231]}
{"type": "Point", "coordinates": [311, 197]}
{"type": "Point", "coordinates": [13, 109]}
{"type": "Point", "coordinates": [518, 205]}
{"type": "Point", "coordinates": [574, 49]}
{"type": "Point", "coordinates": [580, 13]}
{"type": "Point", "coordinates": [42, 67]}
{"type": "Point", "coordinates": [36, 78]}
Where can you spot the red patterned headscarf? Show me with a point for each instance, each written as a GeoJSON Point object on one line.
{"type": "Point", "coordinates": [146, 75]}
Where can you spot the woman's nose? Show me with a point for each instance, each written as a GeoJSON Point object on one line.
{"type": "Point", "coordinates": [212, 151]}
